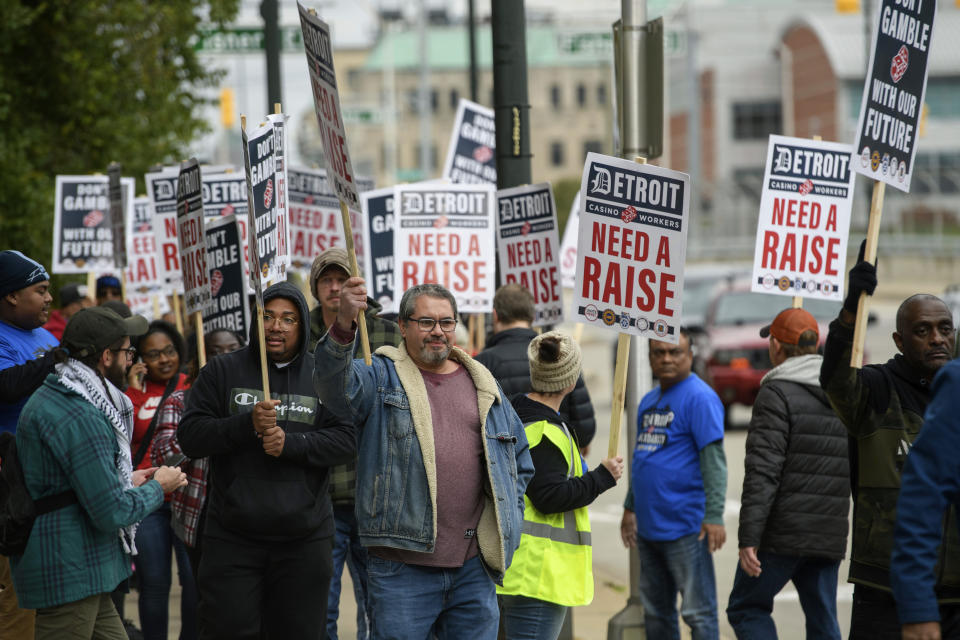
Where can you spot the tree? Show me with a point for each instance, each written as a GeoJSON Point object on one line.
{"type": "Point", "coordinates": [89, 82]}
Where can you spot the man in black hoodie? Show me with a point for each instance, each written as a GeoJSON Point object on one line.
{"type": "Point", "coordinates": [506, 357]}
{"type": "Point", "coordinates": [268, 536]}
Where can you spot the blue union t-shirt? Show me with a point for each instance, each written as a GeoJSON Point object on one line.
{"type": "Point", "coordinates": [672, 427]}
{"type": "Point", "coordinates": [19, 346]}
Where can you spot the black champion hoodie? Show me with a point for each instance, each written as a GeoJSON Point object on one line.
{"type": "Point", "coordinates": [252, 495]}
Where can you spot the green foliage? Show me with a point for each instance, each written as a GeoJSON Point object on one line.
{"type": "Point", "coordinates": [85, 83]}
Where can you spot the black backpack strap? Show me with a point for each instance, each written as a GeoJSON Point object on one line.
{"type": "Point", "coordinates": [47, 504]}
{"type": "Point", "coordinates": [148, 436]}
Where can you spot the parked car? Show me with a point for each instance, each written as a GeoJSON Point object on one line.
{"type": "Point", "coordinates": [737, 357]}
{"type": "Point", "coordinates": [700, 284]}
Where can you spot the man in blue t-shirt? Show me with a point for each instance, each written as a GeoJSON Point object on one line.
{"type": "Point", "coordinates": [24, 307]}
{"type": "Point", "coordinates": [674, 508]}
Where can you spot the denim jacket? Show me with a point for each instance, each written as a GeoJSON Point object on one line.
{"type": "Point", "coordinates": [396, 471]}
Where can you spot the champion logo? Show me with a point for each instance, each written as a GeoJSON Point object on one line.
{"type": "Point", "coordinates": [245, 398]}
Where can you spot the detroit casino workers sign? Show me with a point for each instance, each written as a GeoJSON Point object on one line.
{"type": "Point", "coordinates": [632, 247]}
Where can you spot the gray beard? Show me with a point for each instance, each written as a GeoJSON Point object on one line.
{"type": "Point", "coordinates": [434, 357]}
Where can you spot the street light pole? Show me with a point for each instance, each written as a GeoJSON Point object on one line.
{"type": "Point", "coordinates": [510, 103]}
{"type": "Point", "coordinates": [271, 45]}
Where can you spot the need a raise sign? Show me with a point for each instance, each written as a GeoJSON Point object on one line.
{"type": "Point", "coordinates": [632, 247]}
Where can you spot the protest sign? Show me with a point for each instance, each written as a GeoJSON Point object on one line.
{"type": "Point", "coordinates": [326, 101]}
{"type": "Point", "coordinates": [471, 156]}
{"type": "Point", "coordinates": [144, 275]}
{"type": "Point", "coordinates": [82, 237]}
{"type": "Point", "coordinates": [528, 247]}
{"type": "Point", "coordinates": [228, 307]}
{"type": "Point", "coordinates": [258, 148]}
{"type": "Point", "coordinates": [801, 244]}
{"type": "Point", "coordinates": [895, 89]}
{"type": "Point", "coordinates": [444, 234]}
{"type": "Point", "coordinates": [378, 245]}
{"type": "Point", "coordinates": [632, 247]}
{"type": "Point", "coordinates": [225, 194]}
{"type": "Point", "coordinates": [316, 222]}
{"type": "Point", "coordinates": [568, 247]}
{"type": "Point", "coordinates": [162, 191]}
{"type": "Point", "coordinates": [278, 120]}
{"type": "Point", "coordinates": [191, 238]}
{"type": "Point", "coordinates": [117, 216]}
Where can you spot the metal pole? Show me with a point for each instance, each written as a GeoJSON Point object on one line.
{"type": "Point", "coordinates": [423, 93]}
{"type": "Point", "coordinates": [271, 45]}
{"type": "Point", "coordinates": [634, 139]}
{"type": "Point", "coordinates": [693, 113]}
{"type": "Point", "coordinates": [511, 105]}
{"type": "Point", "coordinates": [472, 34]}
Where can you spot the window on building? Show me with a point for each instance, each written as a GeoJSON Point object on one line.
{"type": "Point", "coordinates": [556, 153]}
{"type": "Point", "coordinates": [748, 183]}
{"type": "Point", "coordinates": [555, 96]}
{"type": "Point", "coordinates": [434, 100]}
{"type": "Point", "coordinates": [592, 146]}
{"type": "Point", "coordinates": [432, 159]}
{"type": "Point", "coordinates": [581, 95]}
{"type": "Point", "coordinates": [601, 94]}
{"type": "Point", "coordinates": [454, 99]}
{"type": "Point", "coordinates": [756, 120]}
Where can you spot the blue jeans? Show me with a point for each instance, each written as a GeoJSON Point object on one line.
{"type": "Point", "coordinates": [155, 541]}
{"type": "Point", "coordinates": [347, 547]}
{"type": "Point", "coordinates": [751, 600]}
{"type": "Point", "coordinates": [414, 602]}
{"type": "Point", "coordinates": [531, 619]}
{"type": "Point", "coordinates": [683, 565]}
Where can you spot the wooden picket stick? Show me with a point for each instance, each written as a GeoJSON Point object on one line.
{"type": "Point", "coordinates": [92, 285]}
{"type": "Point", "coordinates": [578, 332]}
{"type": "Point", "coordinates": [355, 272]}
{"type": "Point", "coordinates": [156, 307]}
{"type": "Point", "coordinates": [619, 390]}
{"type": "Point", "coordinates": [175, 302]}
{"type": "Point", "coordinates": [261, 339]}
{"type": "Point", "coordinates": [481, 331]}
{"type": "Point", "coordinates": [201, 347]}
{"type": "Point", "coordinates": [870, 255]}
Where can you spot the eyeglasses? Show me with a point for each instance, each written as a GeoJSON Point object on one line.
{"type": "Point", "coordinates": [168, 351]}
{"type": "Point", "coordinates": [286, 322]}
{"type": "Point", "coordinates": [427, 324]}
{"type": "Point", "coordinates": [130, 351]}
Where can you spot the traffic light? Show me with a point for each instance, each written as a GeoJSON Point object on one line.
{"type": "Point", "coordinates": [228, 107]}
{"type": "Point", "coordinates": [848, 6]}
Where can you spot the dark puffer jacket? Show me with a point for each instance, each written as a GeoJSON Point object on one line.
{"type": "Point", "coordinates": [796, 487]}
{"type": "Point", "coordinates": [505, 355]}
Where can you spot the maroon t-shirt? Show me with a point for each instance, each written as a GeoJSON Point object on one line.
{"type": "Point", "coordinates": [460, 471]}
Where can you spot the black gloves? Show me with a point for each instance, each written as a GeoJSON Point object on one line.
{"type": "Point", "coordinates": [863, 277]}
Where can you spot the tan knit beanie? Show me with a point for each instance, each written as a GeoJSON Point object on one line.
{"type": "Point", "coordinates": [558, 374]}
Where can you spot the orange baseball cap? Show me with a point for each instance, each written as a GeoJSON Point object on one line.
{"type": "Point", "coordinates": [789, 325]}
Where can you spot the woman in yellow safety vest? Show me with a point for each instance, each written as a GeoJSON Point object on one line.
{"type": "Point", "coordinates": [552, 568]}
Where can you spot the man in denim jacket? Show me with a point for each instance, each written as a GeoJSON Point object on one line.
{"type": "Point", "coordinates": [443, 466]}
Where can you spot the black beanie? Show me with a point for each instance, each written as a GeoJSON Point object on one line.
{"type": "Point", "coordinates": [18, 271]}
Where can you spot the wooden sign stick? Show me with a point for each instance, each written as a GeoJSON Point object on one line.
{"type": "Point", "coordinates": [355, 271]}
{"type": "Point", "coordinates": [619, 391]}
{"type": "Point", "coordinates": [175, 302]}
{"type": "Point", "coordinates": [201, 347]}
{"type": "Point", "coordinates": [870, 255]}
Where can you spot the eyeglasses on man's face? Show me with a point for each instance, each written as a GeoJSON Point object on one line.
{"type": "Point", "coordinates": [286, 322]}
{"type": "Point", "coordinates": [130, 351]}
{"type": "Point", "coordinates": [427, 324]}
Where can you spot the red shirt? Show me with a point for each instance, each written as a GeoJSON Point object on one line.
{"type": "Point", "coordinates": [145, 405]}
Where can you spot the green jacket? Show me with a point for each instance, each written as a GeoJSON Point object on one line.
{"type": "Point", "coordinates": [64, 443]}
{"type": "Point", "coordinates": [380, 332]}
{"type": "Point", "coordinates": [882, 408]}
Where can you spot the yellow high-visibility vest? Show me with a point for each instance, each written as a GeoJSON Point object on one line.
{"type": "Point", "coordinates": [554, 561]}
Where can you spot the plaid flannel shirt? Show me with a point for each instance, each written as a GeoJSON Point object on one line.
{"type": "Point", "coordinates": [187, 503]}
{"type": "Point", "coordinates": [380, 332]}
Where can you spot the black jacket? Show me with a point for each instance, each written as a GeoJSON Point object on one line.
{"type": "Point", "coordinates": [252, 495]}
{"type": "Point", "coordinates": [796, 487]}
{"type": "Point", "coordinates": [505, 355]}
{"type": "Point", "coordinates": [550, 490]}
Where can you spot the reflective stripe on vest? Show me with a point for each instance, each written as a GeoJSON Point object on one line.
{"type": "Point", "coordinates": [568, 534]}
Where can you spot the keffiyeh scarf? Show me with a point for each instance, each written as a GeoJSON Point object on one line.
{"type": "Point", "coordinates": [119, 411]}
